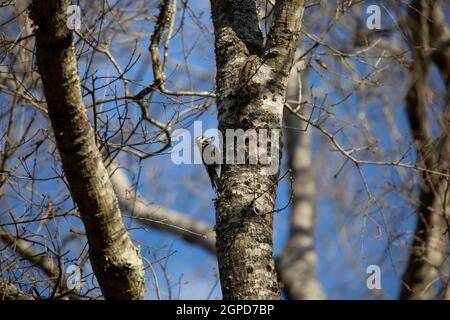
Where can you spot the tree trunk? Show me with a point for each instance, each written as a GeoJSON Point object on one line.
{"type": "Point", "coordinates": [115, 260]}
{"type": "Point", "coordinates": [251, 85]}
{"type": "Point", "coordinates": [430, 244]}
{"type": "Point", "coordinates": [297, 263]}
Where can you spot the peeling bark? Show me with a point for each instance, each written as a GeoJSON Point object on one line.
{"type": "Point", "coordinates": [251, 86]}
{"type": "Point", "coordinates": [115, 260]}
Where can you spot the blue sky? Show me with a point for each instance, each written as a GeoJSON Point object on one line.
{"type": "Point", "coordinates": [348, 236]}
{"type": "Point", "coordinates": [341, 261]}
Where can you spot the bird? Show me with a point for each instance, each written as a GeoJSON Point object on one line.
{"type": "Point", "coordinates": [209, 152]}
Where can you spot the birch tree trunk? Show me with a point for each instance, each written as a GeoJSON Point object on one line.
{"type": "Point", "coordinates": [115, 260]}
{"type": "Point", "coordinates": [251, 86]}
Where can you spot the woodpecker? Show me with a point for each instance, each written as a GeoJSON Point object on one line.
{"type": "Point", "coordinates": [209, 152]}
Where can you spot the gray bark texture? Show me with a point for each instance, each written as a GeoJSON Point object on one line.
{"type": "Point", "coordinates": [297, 262]}
{"type": "Point", "coordinates": [251, 86]}
{"type": "Point", "coordinates": [429, 37]}
{"type": "Point", "coordinates": [115, 260]}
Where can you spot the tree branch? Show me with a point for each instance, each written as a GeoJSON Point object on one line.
{"type": "Point", "coordinates": [9, 291]}
{"type": "Point", "coordinates": [115, 260]}
{"type": "Point", "coordinates": [158, 217]}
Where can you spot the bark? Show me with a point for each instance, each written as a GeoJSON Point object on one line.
{"type": "Point", "coordinates": [250, 85]}
{"type": "Point", "coordinates": [430, 244]}
{"type": "Point", "coordinates": [297, 263]}
{"type": "Point", "coordinates": [440, 42]}
{"type": "Point", "coordinates": [115, 260]}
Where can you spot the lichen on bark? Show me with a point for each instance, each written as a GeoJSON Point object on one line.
{"type": "Point", "coordinates": [251, 85]}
